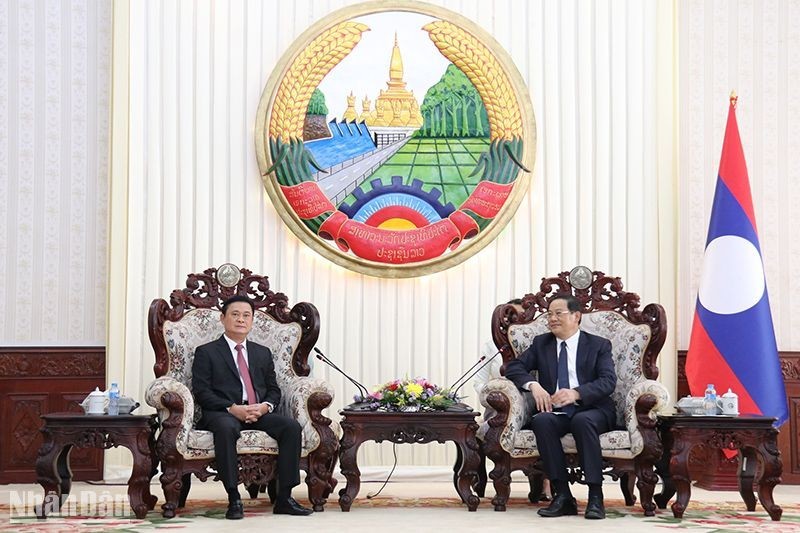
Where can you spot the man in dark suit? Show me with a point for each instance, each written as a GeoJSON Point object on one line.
{"type": "Point", "coordinates": [233, 380]}
{"type": "Point", "coordinates": [573, 395]}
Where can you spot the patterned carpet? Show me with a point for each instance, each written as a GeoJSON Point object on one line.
{"type": "Point", "coordinates": [701, 517]}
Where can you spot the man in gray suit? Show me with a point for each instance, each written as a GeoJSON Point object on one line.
{"type": "Point", "coordinates": [575, 379]}
{"type": "Point", "coordinates": [234, 382]}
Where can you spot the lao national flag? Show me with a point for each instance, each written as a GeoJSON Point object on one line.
{"type": "Point", "coordinates": [733, 342]}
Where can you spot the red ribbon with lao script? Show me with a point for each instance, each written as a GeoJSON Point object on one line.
{"type": "Point", "coordinates": [488, 198]}
{"type": "Point", "coordinates": [398, 246]}
{"type": "Point", "coordinates": [307, 199]}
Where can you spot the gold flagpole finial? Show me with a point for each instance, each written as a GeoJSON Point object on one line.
{"type": "Point", "coordinates": [734, 99]}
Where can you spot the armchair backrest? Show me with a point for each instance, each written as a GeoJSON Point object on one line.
{"type": "Point", "coordinates": [636, 336]}
{"type": "Point", "coordinates": [192, 318]}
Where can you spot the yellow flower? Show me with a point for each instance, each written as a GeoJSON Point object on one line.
{"type": "Point", "coordinates": [414, 388]}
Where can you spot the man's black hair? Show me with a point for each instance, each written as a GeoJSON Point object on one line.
{"type": "Point", "coordinates": [237, 298]}
{"type": "Point", "coordinates": [572, 303]}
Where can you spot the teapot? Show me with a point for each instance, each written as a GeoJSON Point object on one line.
{"type": "Point", "coordinates": [729, 403]}
{"type": "Point", "coordinates": [94, 404]}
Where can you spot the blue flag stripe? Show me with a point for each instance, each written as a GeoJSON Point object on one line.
{"type": "Point", "coordinates": [728, 217]}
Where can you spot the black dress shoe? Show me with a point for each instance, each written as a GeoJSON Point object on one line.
{"type": "Point", "coordinates": [562, 505]}
{"type": "Point", "coordinates": [235, 510]}
{"type": "Point", "coordinates": [290, 506]}
{"type": "Point", "coordinates": [595, 509]}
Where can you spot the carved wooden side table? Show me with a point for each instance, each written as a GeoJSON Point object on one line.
{"type": "Point", "coordinates": [439, 426]}
{"type": "Point", "coordinates": [753, 436]}
{"type": "Point", "coordinates": [62, 431]}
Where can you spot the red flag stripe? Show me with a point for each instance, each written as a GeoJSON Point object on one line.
{"type": "Point", "coordinates": [733, 169]}
{"type": "Point", "coordinates": [704, 360]}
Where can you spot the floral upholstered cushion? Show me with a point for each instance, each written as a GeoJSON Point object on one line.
{"type": "Point", "coordinates": [201, 443]}
{"type": "Point", "coordinates": [197, 327]}
{"type": "Point", "coordinates": [614, 443]}
{"type": "Point", "coordinates": [628, 343]}
{"type": "Point", "coordinates": [282, 341]}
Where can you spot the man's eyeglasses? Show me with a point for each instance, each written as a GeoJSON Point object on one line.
{"type": "Point", "coordinates": [556, 314]}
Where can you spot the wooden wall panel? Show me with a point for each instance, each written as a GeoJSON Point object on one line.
{"type": "Point", "coordinates": [36, 381]}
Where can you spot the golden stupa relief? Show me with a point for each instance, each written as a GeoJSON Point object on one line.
{"type": "Point", "coordinates": [395, 107]}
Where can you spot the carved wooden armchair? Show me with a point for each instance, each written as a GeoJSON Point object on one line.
{"type": "Point", "coordinates": [192, 318]}
{"type": "Point", "coordinates": [631, 450]}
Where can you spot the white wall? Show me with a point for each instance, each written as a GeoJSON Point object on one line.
{"type": "Point", "coordinates": [186, 192]}
{"type": "Point", "coordinates": [752, 47]}
{"type": "Point", "coordinates": [55, 74]}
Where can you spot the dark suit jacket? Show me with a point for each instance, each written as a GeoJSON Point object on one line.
{"type": "Point", "coordinates": [215, 379]}
{"type": "Point", "coordinates": [595, 369]}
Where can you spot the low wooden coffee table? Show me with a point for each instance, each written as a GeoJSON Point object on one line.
{"type": "Point", "coordinates": [753, 436]}
{"type": "Point", "coordinates": [458, 426]}
{"type": "Point", "coordinates": [62, 431]}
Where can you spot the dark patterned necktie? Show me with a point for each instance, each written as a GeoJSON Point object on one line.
{"type": "Point", "coordinates": [563, 377]}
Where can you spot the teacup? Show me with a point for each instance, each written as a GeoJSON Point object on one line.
{"type": "Point", "coordinates": [729, 403]}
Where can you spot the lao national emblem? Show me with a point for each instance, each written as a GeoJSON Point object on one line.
{"type": "Point", "coordinates": [396, 141]}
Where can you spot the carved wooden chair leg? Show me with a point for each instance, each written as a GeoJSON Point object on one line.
{"type": "Point", "coordinates": [318, 478]}
{"type": "Point", "coordinates": [501, 479]}
{"type": "Point", "coordinates": [272, 489]}
{"type": "Point", "coordinates": [172, 483]}
{"type": "Point", "coordinates": [646, 482]}
{"type": "Point", "coordinates": [627, 484]}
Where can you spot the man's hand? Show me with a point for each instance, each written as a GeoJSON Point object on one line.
{"type": "Point", "coordinates": [249, 413]}
{"type": "Point", "coordinates": [541, 397]}
{"type": "Point", "coordinates": [564, 397]}
{"type": "Point", "coordinates": [256, 411]}
{"type": "Point", "coordinates": [239, 411]}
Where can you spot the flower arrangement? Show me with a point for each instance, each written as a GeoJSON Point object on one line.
{"type": "Point", "coordinates": [409, 395]}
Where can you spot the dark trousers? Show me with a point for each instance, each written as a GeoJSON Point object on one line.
{"type": "Point", "coordinates": [586, 426]}
{"type": "Point", "coordinates": [227, 428]}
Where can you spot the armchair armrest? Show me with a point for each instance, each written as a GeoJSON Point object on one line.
{"type": "Point", "coordinates": [303, 399]}
{"type": "Point", "coordinates": [175, 405]}
{"type": "Point", "coordinates": [511, 411]}
{"type": "Point", "coordinates": [643, 402]}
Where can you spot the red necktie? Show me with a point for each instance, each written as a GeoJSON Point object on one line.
{"type": "Point", "coordinates": [244, 372]}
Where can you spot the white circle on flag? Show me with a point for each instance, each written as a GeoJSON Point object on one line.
{"type": "Point", "coordinates": [733, 275]}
